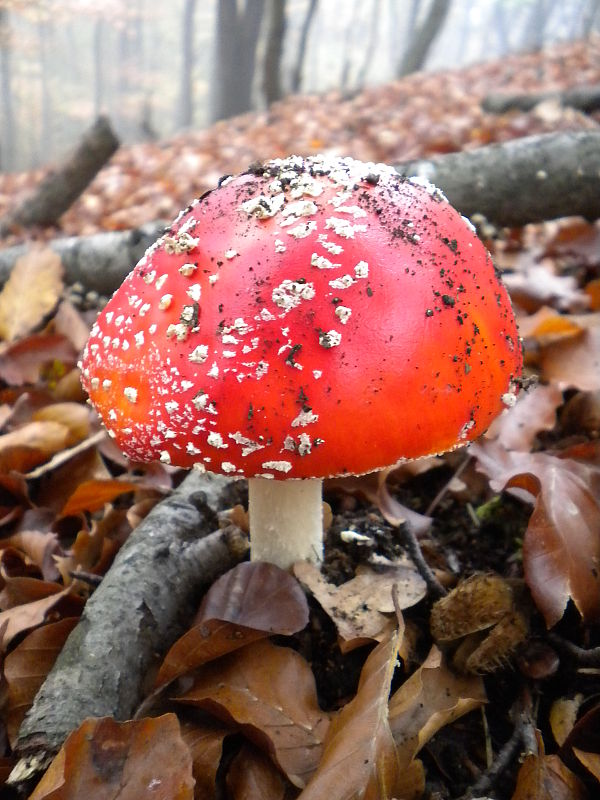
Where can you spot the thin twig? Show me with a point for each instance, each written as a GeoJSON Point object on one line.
{"type": "Point", "coordinates": [434, 587]}
{"type": "Point", "coordinates": [522, 737]}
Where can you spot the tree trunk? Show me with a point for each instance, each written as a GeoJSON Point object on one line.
{"type": "Point", "coordinates": [7, 127]}
{"type": "Point", "coordinates": [372, 41]}
{"type": "Point", "coordinates": [534, 30]}
{"type": "Point", "coordinates": [186, 90]}
{"type": "Point", "coordinates": [273, 51]}
{"type": "Point", "coordinates": [416, 54]}
{"type": "Point", "coordinates": [236, 40]}
{"type": "Point", "coordinates": [297, 71]}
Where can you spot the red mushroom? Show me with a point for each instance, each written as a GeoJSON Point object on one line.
{"type": "Point", "coordinates": [308, 318]}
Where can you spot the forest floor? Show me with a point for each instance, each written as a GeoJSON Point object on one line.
{"type": "Point", "coordinates": [497, 689]}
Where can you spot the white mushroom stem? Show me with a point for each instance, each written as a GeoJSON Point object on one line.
{"type": "Point", "coordinates": [286, 520]}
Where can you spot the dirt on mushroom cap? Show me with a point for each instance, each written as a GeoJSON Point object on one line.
{"type": "Point", "coordinates": [310, 317]}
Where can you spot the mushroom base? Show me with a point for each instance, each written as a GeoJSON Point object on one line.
{"type": "Point", "coordinates": [286, 520]}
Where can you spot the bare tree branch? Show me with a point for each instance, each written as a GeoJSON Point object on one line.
{"type": "Point", "coordinates": [142, 605]}
{"type": "Point", "coordinates": [583, 98]}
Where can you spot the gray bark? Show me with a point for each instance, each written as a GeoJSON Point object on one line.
{"type": "Point", "coordinates": [236, 39]}
{"type": "Point", "coordinates": [99, 262]}
{"type": "Point", "coordinates": [271, 83]}
{"type": "Point", "coordinates": [583, 98]}
{"type": "Point", "coordinates": [144, 602]}
{"type": "Point", "coordinates": [62, 187]}
{"type": "Point", "coordinates": [526, 180]}
{"type": "Point", "coordinates": [416, 53]}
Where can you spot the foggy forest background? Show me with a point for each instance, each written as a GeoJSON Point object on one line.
{"type": "Point", "coordinates": [158, 68]}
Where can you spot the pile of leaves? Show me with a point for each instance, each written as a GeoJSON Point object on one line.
{"type": "Point", "coordinates": [419, 116]}
{"type": "Point", "coordinates": [355, 681]}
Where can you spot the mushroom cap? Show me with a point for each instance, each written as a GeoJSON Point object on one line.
{"type": "Point", "coordinates": [311, 317]}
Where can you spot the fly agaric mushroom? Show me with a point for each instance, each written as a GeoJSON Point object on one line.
{"type": "Point", "coordinates": [311, 317]}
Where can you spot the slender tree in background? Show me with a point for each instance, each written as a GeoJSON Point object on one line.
{"type": "Point", "coordinates": [7, 120]}
{"type": "Point", "coordinates": [415, 55]}
{"type": "Point", "coordinates": [536, 22]}
{"type": "Point", "coordinates": [271, 83]}
{"type": "Point", "coordinates": [186, 87]}
{"type": "Point", "coordinates": [371, 44]}
{"type": "Point", "coordinates": [237, 30]}
{"type": "Point", "coordinates": [297, 71]}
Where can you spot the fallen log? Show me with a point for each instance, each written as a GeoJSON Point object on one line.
{"type": "Point", "coordinates": [61, 187]}
{"type": "Point", "coordinates": [522, 181]}
{"type": "Point", "coordinates": [512, 184]}
{"type": "Point", "coordinates": [99, 262]}
{"type": "Point", "coordinates": [144, 602]}
{"type": "Point", "coordinates": [583, 98]}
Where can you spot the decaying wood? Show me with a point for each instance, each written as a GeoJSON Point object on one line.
{"type": "Point", "coordinates": [143, 604]}
{"type": "Point", "coordinates": [99, 262]}
{"type": "Point", "coordinates": [583, 98]}
{"type": "Point", "coordinates": [525, 180]}
{"type": "Point", "coordinates": [61, 187]}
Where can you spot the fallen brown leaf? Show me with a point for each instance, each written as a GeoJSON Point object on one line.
{"type": "Point", "coordinates": [359, 757]}
{"type": "Point", "coordinates": [30, 615]}
{"type": "Point", "coordinates": [104, 759]}
{"type": "Point", "coordinates": [26, 667]}
{"type": "Point", "coordinates": [253, 600]}
{"type": "Point", "coordinates": [535, 410]}
{"type": "Point", "coordinates": [562, 541]}
{"type": "Point", "coordinates": [205, 741]}
{"type": "Point", "coordinates": [431, 698]}
{"type": "Point", "coordinates": [269, 692]}
{"type": "Point", "coordinates": [30, 293]}
{"type": "Point", "coordinates": [252, 776]}
{"type": "Point", "coordinates": [543, 777]}
{"type": "Point", "coordinates": [362, 607]}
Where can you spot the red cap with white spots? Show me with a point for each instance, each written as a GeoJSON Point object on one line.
{"type": "Point", "coordinates": [311, 317]}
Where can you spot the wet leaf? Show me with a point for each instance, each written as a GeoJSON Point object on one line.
{"type": "Point", "coordinates": [253, 600]}
{"type": "Point", "coordinates": [360, 758]}
{"type": "Point", "coordinates": [252, 776]}
{"type": "Point", "coordinates": [433, 696]}
{"type": "Point", "coordinates": [562, 541]}
{"type": "Point", "coordinates": [270, 693]}
{"type": "Point", "coordinates": [104, 759]}
{"type": "Point", "coordinates": [361, 607]}
{"type": "Point", "coordinates": [27, 666]}
{"type": "Point", "coordinates": [30, 293]}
